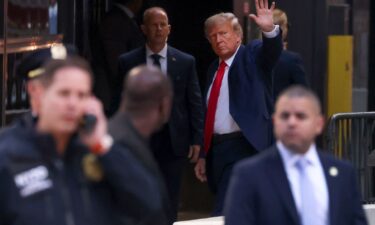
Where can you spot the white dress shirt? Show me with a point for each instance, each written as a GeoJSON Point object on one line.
{"type": "Point", "coordinates": [224, 122]}
{"type": "Point", "coordinates": [162, 60]}
{"type": "Point", "coordinates": [316, 175]}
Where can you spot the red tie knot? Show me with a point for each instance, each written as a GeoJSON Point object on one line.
{"type": "Point", "coordinates": [222, 64]}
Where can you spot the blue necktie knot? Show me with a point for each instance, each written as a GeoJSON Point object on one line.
{"type": "Point", "coordinates": [156, 60]}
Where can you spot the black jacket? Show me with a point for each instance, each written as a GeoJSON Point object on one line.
{"type": "Point", "coordinates": [38, 186]}
{"type": "Point", "coordinates": [288, 71]}
{"type": "Point", "coordinates": [124, 134]}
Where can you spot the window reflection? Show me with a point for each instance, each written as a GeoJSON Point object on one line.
{"type": "Point", "coordinates": [52, 13]}
{"type": "Point", "coordinates": [32, 17]}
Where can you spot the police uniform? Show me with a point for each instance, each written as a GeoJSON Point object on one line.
{"type": "Point", "coordinates": [39, 186]}
{"type": "Point", "coordinates": [30, 68]}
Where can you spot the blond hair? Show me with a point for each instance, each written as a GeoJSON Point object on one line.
{"type": "Point", "coordinates": [221, 18]}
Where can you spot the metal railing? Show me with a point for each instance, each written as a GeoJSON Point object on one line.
{"type": "Point", "coordinates": [350, 136]}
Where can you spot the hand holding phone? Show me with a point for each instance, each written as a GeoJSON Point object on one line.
{"type": "Point", "coordinates": [94, 124]}
{"type": "Point", "coordinates": [87, 124]}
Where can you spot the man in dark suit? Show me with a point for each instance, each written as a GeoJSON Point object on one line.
{"type": "Point", "coordinates": [182, 135]}
{"type": "Point", "coordinates": [147, 92]}
{"type": "Point", "coordinates": [239, 99]}
{"type": "Point", "coordinates": [118, 33]}
{"type": "Point", "coordinates": [289, 70]}
{"type": "Point", "coordinates": [292, 182]}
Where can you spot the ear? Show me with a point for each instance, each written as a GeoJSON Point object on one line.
{"type": "Point", "coordinates": [169, 29]}
{"type": "Point", "coordinates": [320, 124]}
{"type": "Point", "coordinates": [34, 88]}
{"type": "Point", "coordinates": [239, 38]}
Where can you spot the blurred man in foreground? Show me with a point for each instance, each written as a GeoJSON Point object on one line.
{"type": "Point", "coordinates": [293, 183]}
{"type": "Point", "coordinates": [144, 109]}
{"type": "Point", "coordinates": [58, 172]}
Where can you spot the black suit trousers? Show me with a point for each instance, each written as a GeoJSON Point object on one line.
{"type": "Point", "coordinates": [171, 166]}
{"type": "Point", "coordinates": [219, 163]}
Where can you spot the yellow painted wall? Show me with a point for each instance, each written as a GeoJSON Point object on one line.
{"type": "Point", "coordinates": [340, 74]}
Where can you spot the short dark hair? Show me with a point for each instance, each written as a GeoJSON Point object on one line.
{"type": "Point", "coordinates": [148, 11]}
{"type": "Point", "coordinates": [144, 88]}
{"type": "Point", "coordinates": [52, 66]}
{"type": "Point", "coordinates": [298, 91]}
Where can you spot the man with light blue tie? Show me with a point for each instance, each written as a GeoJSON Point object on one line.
{"type": "Point", "coordinates": [293, 183]}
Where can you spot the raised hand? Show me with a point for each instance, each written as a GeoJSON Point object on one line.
{"type": "Point", "coordinates": [263, 16]}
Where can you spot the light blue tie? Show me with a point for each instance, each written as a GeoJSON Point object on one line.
{"type": "Point", "coordinates": [308, 210]}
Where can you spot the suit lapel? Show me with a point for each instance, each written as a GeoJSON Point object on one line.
{"type": "Point", "coordinates": [279, 179]}
{"type": "Point", "coordinates": [332, 185]}
{"type": "Point", "coordinates": [172, 65]}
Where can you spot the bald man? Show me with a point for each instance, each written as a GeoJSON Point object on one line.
{"type": "Point", "coordinates": [182, 136]}
{"type": "Point", "coordinates": [292, 182]}
{"type": "Point", "coordinates": [144, 109]}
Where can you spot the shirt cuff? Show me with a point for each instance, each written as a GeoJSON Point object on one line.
{"type": "Point", "coordinates": [272, 33]}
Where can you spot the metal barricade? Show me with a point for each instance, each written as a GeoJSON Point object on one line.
{"type": "Point", "coordinates": [350, 136]}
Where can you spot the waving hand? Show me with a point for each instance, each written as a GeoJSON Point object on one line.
{"type": "Point", "coordinates": [263, 15]}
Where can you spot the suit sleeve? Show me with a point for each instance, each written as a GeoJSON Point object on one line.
{"type": "Point", "coordinates": [270, 52]}
{"type": "Point", "coordinates": [268, 56]}
{"type": "Point", "coordinates": [239, 209]}
{"type": "Point", "coordinates": [195, 106]}
{"type": "Point", "coordinates": [359, 217]}
{"type": "Point", "coordinates": [133, 186]}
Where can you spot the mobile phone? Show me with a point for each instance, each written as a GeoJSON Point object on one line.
{"type": "Point", "coordinates": [87, 124]}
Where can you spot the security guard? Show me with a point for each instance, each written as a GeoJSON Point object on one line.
{"type": "Point", "coordinates": [48, 175]}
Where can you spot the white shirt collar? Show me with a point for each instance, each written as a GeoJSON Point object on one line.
{"type": "Point", "coordinates": [290, 158]}
{"type": "Point", "coordinates": [229, 61]}
{"type": "Point", "coordinates": [125, 9]}
{"type": "Point", "coordinates": [162, 53]}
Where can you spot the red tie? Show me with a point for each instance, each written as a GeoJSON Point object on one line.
{"type": "Point", "coordinates": [211, 108]}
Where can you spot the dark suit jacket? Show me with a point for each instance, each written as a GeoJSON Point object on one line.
{"type": "Point", "coordinates": [118, 33]}
{"type": "Point", "coordinates": [186, 120]}
{"type": "Point", "coordinates": [260, 194]}
{"type": "Point", "coordinates": [288, 71]}
{"type": "Point", "coordinates": [250, 85]}
{"type": "Point", "coordinates": [128, 137]}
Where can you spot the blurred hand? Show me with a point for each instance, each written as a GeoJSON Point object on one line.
{"type": "Point", "coordinates": [194, 153]}
{"type": "Point", "coordinates": [95, 108]}
{"type": "Point", "coordinates": [200, 170]}
{"type": "Point", "coordinates": [263, 17]}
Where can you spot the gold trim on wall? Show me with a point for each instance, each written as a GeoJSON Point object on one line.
{"type": "Point", "coordinates": [15, 45]}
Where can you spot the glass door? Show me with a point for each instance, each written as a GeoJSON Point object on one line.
{"type": "Point", "coordinates": [26, 25]}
